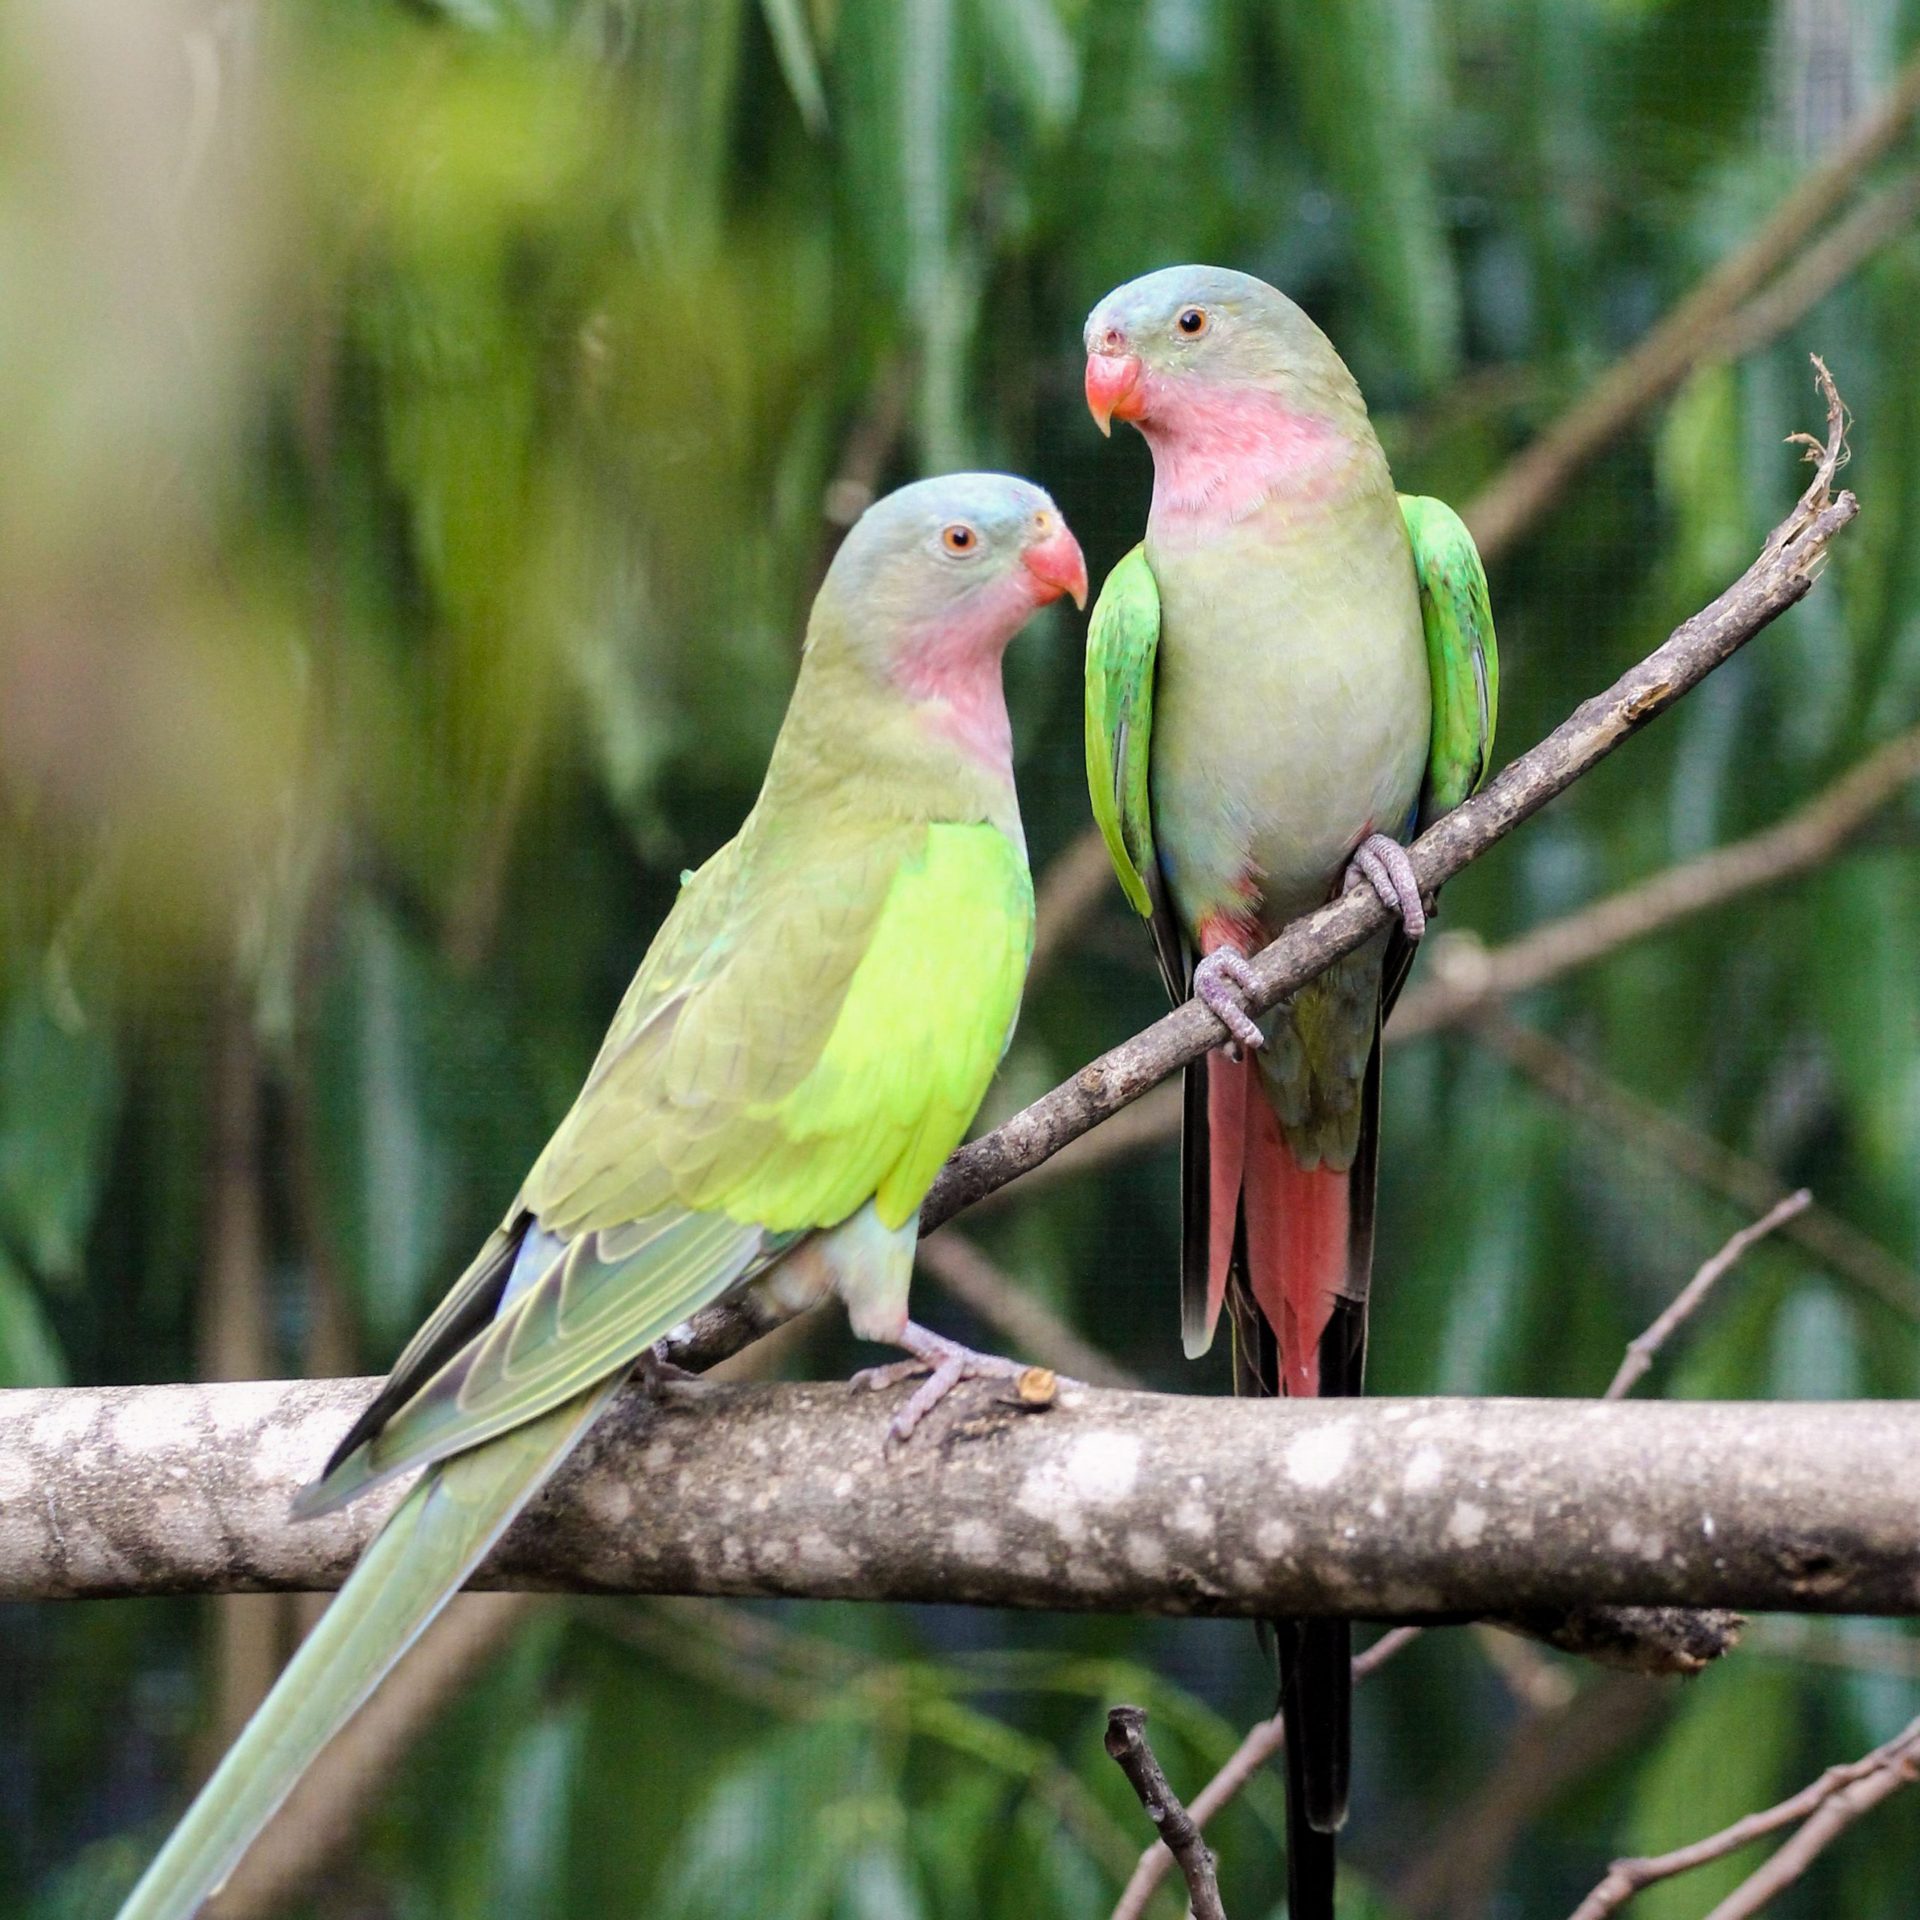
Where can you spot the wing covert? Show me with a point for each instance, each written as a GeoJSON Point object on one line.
{"type": "Point", "coordinates": [1462, 657]}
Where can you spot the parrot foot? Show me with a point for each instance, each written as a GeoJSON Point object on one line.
{"type": "Point", "coordinates": [1221, 983]}
{"type": "Point", "coordinates": [1382, 864]}
{"type": "Point", "coordinates": [945, 1363]}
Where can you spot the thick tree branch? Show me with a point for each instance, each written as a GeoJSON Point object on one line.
{"type": "Point", "coordinates": [1108, 1502]}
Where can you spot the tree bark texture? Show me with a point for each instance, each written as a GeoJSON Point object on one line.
{"type": "Point", "coordinates": [1081, 1500]}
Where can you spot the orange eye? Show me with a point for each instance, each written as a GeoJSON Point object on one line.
{"type": "Point", "coordinates": [959, 538]}
{"type": "Point", "coordinates": [1193, 322]}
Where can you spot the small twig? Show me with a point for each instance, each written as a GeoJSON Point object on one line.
{"type": "Point", "coordinates": [1641, 1350]}
{"type": "Point", "coordinates": [1126, 1743]}
{"type": "Point", "coordinates": [1829, 1805]}
{"type": "Point", "coordinates": [1258, 1745]}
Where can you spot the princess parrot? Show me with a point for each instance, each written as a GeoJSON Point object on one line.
{"type": "Point", "coordinates": [806, 1040]}
{"type": "Point", "coordinates": [1293, 673]}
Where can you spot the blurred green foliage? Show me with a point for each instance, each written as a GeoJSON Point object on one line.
{"type": "Point", "coordinates": [426, 425]}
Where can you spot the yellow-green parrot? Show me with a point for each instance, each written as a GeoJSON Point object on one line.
{"type": "Point", "coordinates": [1291, 675]}
{"type": "Point", "coordinates": [805, 1042]}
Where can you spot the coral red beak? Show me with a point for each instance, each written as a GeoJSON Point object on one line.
{"type": "Point", "coordinates": [1058, 565]}
{"type": "Point", "coordinates": [1113, 388]}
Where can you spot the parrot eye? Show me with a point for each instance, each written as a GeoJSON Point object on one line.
{"type": "Point", "coordinates": [959, 539]}
{"type": "Point", "coordinates": [1193, 322]}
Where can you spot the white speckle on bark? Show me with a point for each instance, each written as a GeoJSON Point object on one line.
{"type": "Point", "coordinates": [16, 1477]}
{"type": "Point", "coordinates": [1273, 1537]}
{"type": "Point", "coordinates": [156, 1424]}
{"type": "Point", "coordinates": [817, 1554]}
{"type": "Point", "coordinates": [1146, 1553]}
{"type": "Point", "coordinates": [658, 1457]}
{"type": "Point", "coordinates": [1192, 1517]}
{"type": "Point", "coordinates": [610, 1502]}
{"type": "Point", "coordinates": [64, 1420]}
{"type": "Point", "coordinates": [975, 1540]}
{"type": "Point", "coordinates": [1099, 1470]}
{"type": "Point", "coordinates": [843, 1487]}
{"type": "Point", "coordinates": [1318, 1456]}
{"type": "Point", "coordinates": [1467, 1523]}
{"type": "Point", "coordinates": [1623, 1536]}
{"type": "Point", "coordinates": [1423, 1470]}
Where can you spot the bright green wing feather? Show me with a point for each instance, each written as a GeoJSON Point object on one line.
{"type": "Point", "coordinates": [1462, 659]}
{"type": "Point", "coordinates": [1123, 640]}
{"type": "Point", "coordinates": [829, 1048]}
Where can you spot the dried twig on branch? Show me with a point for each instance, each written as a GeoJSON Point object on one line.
{"type": "Point", "coordinates": [1126, 1744]}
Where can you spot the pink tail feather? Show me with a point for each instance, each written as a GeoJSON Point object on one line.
{"type": "Point", "coordinates": [1297, 1220]}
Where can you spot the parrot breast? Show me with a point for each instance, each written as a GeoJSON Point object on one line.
{"type": "Point", "coordinates": [1292, 706]}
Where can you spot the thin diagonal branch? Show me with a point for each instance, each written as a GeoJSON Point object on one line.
{"type": "Point", "coordinates": [1461, 975]}
{"type": "Point", "coordinates": [1829, 1805]}
{"type": "Point", "coordinates": [1778, 579]}
{"type": "Point", "coordinates": [1530, 483]}
{"type": "Point", "coordinates": [1676, 1147]}
{"type": "Point", "coordinates": [1642, 1349]}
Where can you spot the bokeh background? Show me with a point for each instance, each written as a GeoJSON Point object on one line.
{"type": "Point", "coordinates": [425, 425]}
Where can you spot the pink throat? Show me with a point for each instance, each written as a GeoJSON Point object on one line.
{"type": "Point", "coordinates": [953, 667]}
{"type": "Point", "coordinates": [1221, 453]}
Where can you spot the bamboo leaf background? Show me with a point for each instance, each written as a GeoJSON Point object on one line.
{"type": "Point", "coordinates": [426, 425]}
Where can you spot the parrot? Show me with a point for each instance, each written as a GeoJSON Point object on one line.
{"type": "Point", "coordinates": [1289, 678]}
{"type": "Point", "coordinates": [806, 1040]}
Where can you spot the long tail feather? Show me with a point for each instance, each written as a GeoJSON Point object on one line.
{"type": "Point", "coordinates": [1301, 1243]}
{"type": "Point", "coordinates": [437, 1536]}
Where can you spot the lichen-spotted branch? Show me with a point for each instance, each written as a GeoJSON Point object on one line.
{"type": "Point", "coordinates": [1121, 1502]}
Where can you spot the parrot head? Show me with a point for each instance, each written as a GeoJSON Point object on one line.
{"type": "Point", "coordinates": [973, 551]}
{"type": "Point", "coordinates": [934, 580]}
{"type": "Point", "coordinates": [1167, 344]}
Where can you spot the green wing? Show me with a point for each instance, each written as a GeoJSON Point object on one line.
{"type": "Point", "coordinates": [1123, 643]}
{"type": "Point", "coordinates": [1461, 656]}
{"type": "Point", "coordinates": [1123, 640]}
{"type": "Point", "coordinates": [786, 1054]}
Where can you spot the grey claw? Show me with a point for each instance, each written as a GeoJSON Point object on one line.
{"type": "Point", "coordinates": [1383, 864]}
{"type": "Point", "coordinates": [1221, 983]}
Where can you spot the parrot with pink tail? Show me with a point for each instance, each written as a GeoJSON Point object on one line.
{"type": "Point", "coordinates": [1291, 677]}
